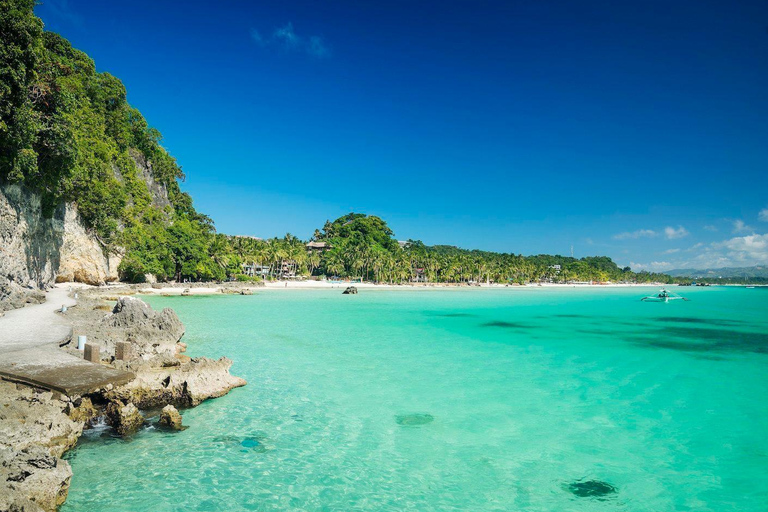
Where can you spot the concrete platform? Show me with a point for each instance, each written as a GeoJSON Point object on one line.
{"type": "Point", "coordinates": [29, 351]}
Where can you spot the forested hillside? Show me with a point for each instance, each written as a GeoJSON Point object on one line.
{"type": "Point", "coordinates": [68, 134]}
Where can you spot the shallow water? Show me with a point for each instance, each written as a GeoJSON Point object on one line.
{"type": "Point", "coordinates": [508, 399]}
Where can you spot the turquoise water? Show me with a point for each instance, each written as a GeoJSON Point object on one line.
{"type": "Point", "coordinates": [507, 399]}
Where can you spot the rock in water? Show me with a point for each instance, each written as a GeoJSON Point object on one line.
{"type": "Point", "coordinates": [125, 419]}
{"type": "Point", "coordinates": [170, 418]}
{"type": "Point", "coordinates": [414, 420]}
{"type": "Point", "coordinates": [591, 489]}
{"type": "Point", "coordinates": [351, 290]}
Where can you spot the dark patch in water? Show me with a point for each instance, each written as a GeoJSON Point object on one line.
{"type": "Point", "coordinates": [456, 315]}
{"type": "Point", "coordinates": [564, 315]}
{"type": "Point", "coordinates": [700, 339]}
{"type": "Point", "coordinates": [506, 325]}
{"type": "Point", "coordinates": [592, 489]}
{"type": "Point", "coordinates": [250, 443]}
{"type": "Point", "coordinates": [414, 420]}
{"type": "Point", "coordinates": [708, 321]}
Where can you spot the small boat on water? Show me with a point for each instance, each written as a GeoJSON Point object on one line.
{"type": "Point", "coordinates": [663, 296]}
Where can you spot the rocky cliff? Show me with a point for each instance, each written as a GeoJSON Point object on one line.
{"type": "Point", "coordinates": [37, 250]}
{"type": "Point", "coordinates": [30, 247]}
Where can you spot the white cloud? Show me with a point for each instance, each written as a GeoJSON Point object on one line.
{"type": "Point", "coordinates": [750, 249]}
{"type": "Point", "coordinates": [653, 266]}
{"type": "Point", "coordinates": [256, 37]}
{"type": "Point", "coordinates": [288, 40]}
{"type": "Point", "coordinates": [740, 227]}
{"type": "Point", "coordinates": [710, 228]}
{"type": "Point", "coordinates": [671, 251]}
{"type": "Point", "coordinates": [317, 48]}
{"type": "Point", "coordinates": [287, 36]}
{"type": "Point", "coordinates": [673, 234]}
{"type": "Point", "coordinates": [763, 215]}
{"type": "Point", "coordinates": [740, 251]}
{"type": "Point", "coordinates": [640, 233]}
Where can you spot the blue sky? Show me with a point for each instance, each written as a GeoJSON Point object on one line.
{"type": "Point", "coordinates": [632, 129]}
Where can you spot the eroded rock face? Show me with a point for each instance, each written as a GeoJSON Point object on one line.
{"type": "Point", "coordinates": [151, 333]}
{"type": "Point", "coordinates": [35, 431]}
{"type": "Point", "coordinates": [170, 418]}
{"type": "Point", "coordinates": [34, 475]}
{"type": "Point", "coordinates": [39, 247]}
{"type": "Point", "coordinates": [124, 418]}
{"type": "Point", "coordinates": [179, 381]}
{"type": "Point", "coordinates": [42, 416]}
{"type": "Point", "coordinates": [82, 257]}
{"type": "Point", "coordinates": [29, 246]}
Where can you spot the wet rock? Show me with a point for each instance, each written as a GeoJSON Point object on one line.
{"type": "Point", "coordinates": [170, 418]}
{"type": "Point", "coordinates": [591, 489]}
{"type": "Point", "coordinates": [414, 420]}
{"type": "Point", "coordinates": [246, 291]}
{"type": "Point", "coordinates": [82, 410]}
{"type": "Point", "coordinates": [351, 290]}
{"type": "Point", "coordinates": [124, 418]}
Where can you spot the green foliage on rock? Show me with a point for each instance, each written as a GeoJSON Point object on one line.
{"type": "Point", "coordinates": [68, 133]}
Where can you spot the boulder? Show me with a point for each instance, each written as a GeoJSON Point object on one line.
{"type": "Point", "coordinates": [124, 418]}
{"type": "Point", "coordinates": [351, 290]}
{"type": "Point", "coordinates": [133, 320]}
{"type": "Point", "coordinates": [170, 418]}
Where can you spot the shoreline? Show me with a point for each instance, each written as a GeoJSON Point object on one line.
{"type": "Point", "coordinates": [234, 288]}
{"type": "Point", "coordinates": [40, 423]}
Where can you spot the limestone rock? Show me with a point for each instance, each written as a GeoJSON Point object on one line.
{"type": "Point", "coordinates": [34, 475]}
{"type": "Point", "coordinates": [124, 418]}
{"type": "Point", "coordinates": [186, 384]}
{"type": "Point", "coordinates": [82, 257]}
{"type": "Point", "coordinates": [29, 418]}
{"type": "Point", "coordinates": [34, 433]}
{"type": "Point", "coordinates": [170, 418]}
{"type": "Point", "coordinates": [82, 411]}
{"type": "Point", "coordinates": [351, 290]}
{"type": "Point", "coordinates": [150, 332]}
{"type": "Point", "coordinates": [29, 246]}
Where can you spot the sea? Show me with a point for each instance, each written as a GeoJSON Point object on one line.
{"type": "Point", "coordinates": [501, 399]}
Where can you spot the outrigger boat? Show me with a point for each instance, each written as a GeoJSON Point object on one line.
{"type": "Point", "coordinates": [663, 296]}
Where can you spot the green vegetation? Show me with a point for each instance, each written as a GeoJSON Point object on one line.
{"type": "Point", "coordinates": [68, 133]}
{"type": "Point", "coordinates": [358, 246]}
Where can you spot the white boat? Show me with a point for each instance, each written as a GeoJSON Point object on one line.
{"type": "Point", "coordinates": [663, 296]}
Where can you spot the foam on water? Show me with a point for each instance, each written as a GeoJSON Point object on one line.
{"type": "Point", "coordinates": [531, 400]}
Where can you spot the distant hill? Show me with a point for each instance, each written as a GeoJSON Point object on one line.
{"type": "Point", "coordinates": [758, 271]}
